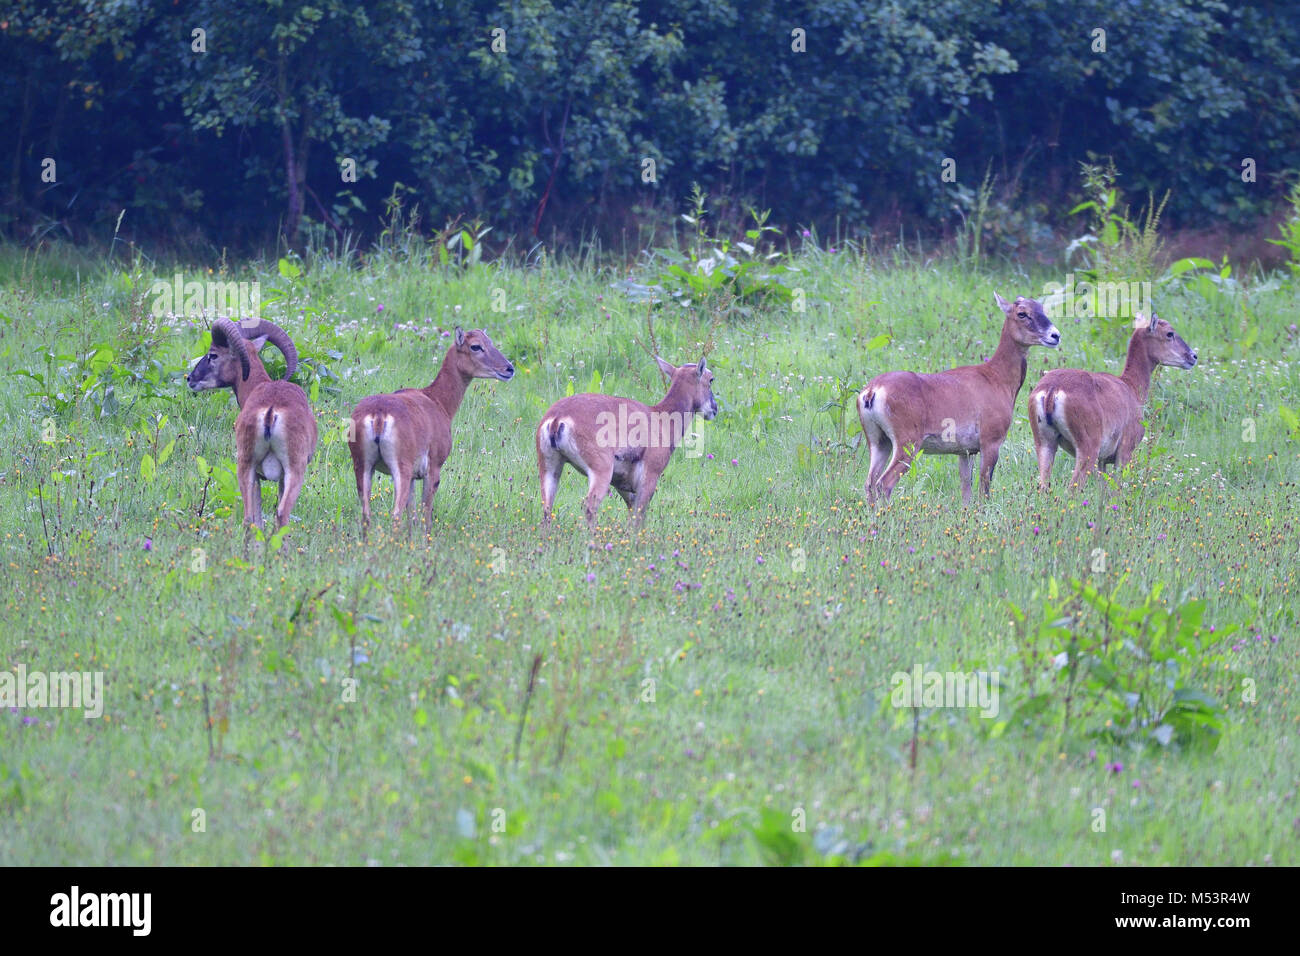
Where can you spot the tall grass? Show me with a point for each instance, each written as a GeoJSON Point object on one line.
{"type": "Point", "coordinates": [699, 685]}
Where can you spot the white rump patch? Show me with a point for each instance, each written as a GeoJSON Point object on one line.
{"type": "Point", "coordinates": [872, 417]}
{"type": "Point", "coordinates": [1058, 415]}
{"type": "Point", "coordinates": [567, 445]}
{"type": "Point", "coordinates": [1039, 400]}
{"type": "Point", "coordinates": [1061, 424]}
{"type": "Point", "coordinates": [365, 435]}
{"type": "Point", "coordinates": [380, 453]}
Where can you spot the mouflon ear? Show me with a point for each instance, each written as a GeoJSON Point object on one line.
{"type": "Point", "coordinates": [460, 336]}
{"type": "Point", "coordinates": [668, 368]}
{"type": "Point", "coordinates": [1002, 303]}
{"type": "Point", "coordinates": [1140, 321]}
{"type": "Point", "coordinates": [700, 369]}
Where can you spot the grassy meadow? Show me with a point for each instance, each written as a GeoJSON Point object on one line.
{"type": "Point", "coordinates": [717, 690]}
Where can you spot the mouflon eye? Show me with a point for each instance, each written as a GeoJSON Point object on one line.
{"type": "Point", "coordinates": [476, 348]}
{"type": "Point", "coordinates": [1024, 315]}
{"type": "Point", "coordinates": [1169, 335]}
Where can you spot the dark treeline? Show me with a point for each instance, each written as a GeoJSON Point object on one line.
{"type": "Point", "coordinates": [228, 123]}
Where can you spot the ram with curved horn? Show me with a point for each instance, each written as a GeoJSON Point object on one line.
{"type": "Point", "coordinates": [275, 431]}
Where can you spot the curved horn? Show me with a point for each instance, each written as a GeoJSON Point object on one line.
{"type": "Point", "coordinates": [277, 337]}
{"type": "Point", "coordinates": [233, 339]}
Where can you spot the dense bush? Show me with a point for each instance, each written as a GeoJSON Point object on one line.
{"type": "Point", "coordinates": [822, 111]}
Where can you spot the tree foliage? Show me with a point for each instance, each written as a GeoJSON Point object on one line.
{"type": "Point", "coordinates": [544, 114]}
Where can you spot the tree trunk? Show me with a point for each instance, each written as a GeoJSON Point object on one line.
{"type": "Point", "coordinates": [16, 176]}
{"type": "Point", "coordinates": [293, 215]}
